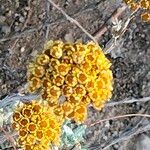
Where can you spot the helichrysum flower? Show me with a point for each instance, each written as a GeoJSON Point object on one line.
{"type": "Point", "coordinates": [71, 80]}
{"type": "Point", "coordinates": [145, 17]}
{"type": "Point", "coordinates": [142, 4]}
{"type": "Point", "coordinates": [78, 72]}
{"type": "Point", "coordinates": [68, 108]}
{"type": "Point", "coordinates": [74, 99]}
{"type": "Point", "coordinates": [145, 4]}
{"type": "Point", "coordinates": [42, 59]}
{"type": "Point", "coordinates": [67, 90]}
{"type": "Point", "coordinates": [80, 113]}
{"type": "Point", "coordinates": [36, 125]}
{"type": "Point", "coordinates": [58, 80]}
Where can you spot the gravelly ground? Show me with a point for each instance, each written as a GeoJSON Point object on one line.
{"type": "Point", "coordinates": [131, 65]}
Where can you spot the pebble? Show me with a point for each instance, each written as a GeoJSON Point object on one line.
{"type": "Point", "coordinates": [143, 143]}
{"type": "Point", "coordinates": [116, 146]}
{"type": "Point", "coordinates": [107, 124]}
{"type": "Point", "coordinates": [115, 133]}
{"type": "Point", "coordinates": [22, 49]}
{"type": "Point", "coordinates": [105, 138]}
{"type": "Point", "coordinates": [21, 19]}
{"type": "Point", "coordinates": [6, 29]}
{"type": "Point", "coordinates": [2, 19]}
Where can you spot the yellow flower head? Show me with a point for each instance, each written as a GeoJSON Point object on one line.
{"type": "Point", "coordinates": [67, 60]}
{"type": "Point", "coordinates": [54, 91]}
{"type": "Point", "coordinates": [76, 72]}
{"type": "Point", "coordinates": [82, 78]}
{"type": "Point", "coordinates": [46, 83]}
{"type": "Point", "coordinates": [68, 47]}
{"type": "Point", "coordinates": [58, 111]}
{"type": "Point", "coordinates": [67, 90]}
{"type": "Point", "coordinates": [134, 6]}
{"type": "Point", "coordinates": [29, 147]}
{"type": "Point", "coordinates": [80, 113]}
{"type": "Point", "coordinates": [17, 116]}
{"type": "Point", "coordinates": [86, 100]}
{"type": "Point", "coordinates": [92, 47]}
{"type": "Point", "coordinates": [42, 59]}
{"type": "Point", "coordinates": [24, 121]}
{"type": "Point", "coordinates": [63, 69]}
{"type": "Point", "coordinates": [80, 90]}
{"type": "Point", "coordinates": [58, 80]}
{"type": "Point", "coordinates": [36, 124]}
{"type": "Point", "coordinates": [27, 112]}
{"type": "Point", "coordinates": [71, 80]}
{"type": "Point", "coordinates": [22, 133]}
{"type": "Point", "coordinates": [94, 95]}
{"type": "Point", "coordinates": [74, 99]}
{"type": "Point", "coordinates": [31, 127]}
{"type": "Point", "coordinates": [34, 84]}
{"type": "Point", "coordinates": [56, 52]}
{"type": "Point", "coordinates": [141, 4]}
{"type": "Point", "coordinates": [145, 4]}
{"type": "Point", "coordinates": [98, 105]}
{"type": "Point", "coordinates": [78, 57]}
{"type": "Point", "coordinates": [86, 66]}
{"type": "Point", "coordinates": [90, 58]}
{"type": "Point", "coordinates": [38, 71]}
{"type": "Point", "coordinates": [145, 17]}
{"type": "Point", "coordinates": [54, 63]}
{"type": "Point", "coordinates": [67, 108]}
{"type": "Point", "coordinates": [90, 85]}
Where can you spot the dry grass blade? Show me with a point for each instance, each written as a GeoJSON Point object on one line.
{"type": "Point", "coordinates": [119, 117]}
{"type": "Point", "coordinates": [9, 138]}
{"type": "Point", "coordinates": [8, 100]}
{"type": "Point", "coordinates": [73, 21]}
{"type": "Point", "coordinates": [3, 139]}
{"type": "Point", "coordinates": [128, 101]}
{"type": "Point", "coordinates": [124, 136]}
{"type": "Point", "coordinates": [115, 14]}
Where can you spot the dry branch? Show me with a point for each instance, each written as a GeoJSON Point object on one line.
{"type": "Point", "coordinates": [73, 21]}
{"type": "Point", "coordinates": [127, 101]}
{"type": "Point", "coordinates": [124, 136]}
{"type": "Point", "coordinates": [8, 100]}
{"type": "Point", "coordinates": [118, 12]}
{"type": "Point", "coordinates": [45, 25]}
{"type": "Point", "coordinates": [119, 117]}
{"type": "Point", "coordinates": [9, 138]}
{"type": "Point", "coordinates": [22, 34]}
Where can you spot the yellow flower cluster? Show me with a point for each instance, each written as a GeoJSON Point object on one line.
{"type": "Point", "coordinates": [70, 76]}
{"type": "Point", "coordinates": [37, 126]}
{"type": "Point", "coordinates": [143, 4]}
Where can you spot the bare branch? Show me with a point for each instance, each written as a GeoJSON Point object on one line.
{"type": "Point", "coordinates": [3, 137]}
{"type": "Point", "coordinates": [22, 34]}
{"type": "Point", "coordinates": [73, 21]}
{"type": "Point", "coordinates": [119, 117]}
{"type": "Point", "coordinates": [8, 100]}
{"type": "Point", "coordinates": [128, 101]}
{"type": "Point", "coordinates": [104, 28]}
{"type": "Point", "coordinates": [124, 136]}
{"type": "Point", "coordinates": [9, 138]}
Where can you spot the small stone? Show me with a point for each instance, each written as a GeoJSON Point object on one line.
{"type": "Point", "coordinates": [115, 133]}
{"type": "Point", "coordinates": [6, 29]}
{"type": "Point", "coordinates": [116, 146]}
{"type": "Point", "coordinates": [105, 138]}
{"type": "Point", "coordinates": [69, 38]}
{"type": "Point", "coordinates": [21, 19]}
{"type": "Point", "coordinates": [2, 19]}
{"type": "Point", "coordinates": [107, 124]}
{"type": "Point", "coordinates": [22, 49]}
